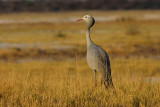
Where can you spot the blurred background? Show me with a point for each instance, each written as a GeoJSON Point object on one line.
{"type": "Point", "coordinates": [63, 5]}
{"type": "Point", "coordinates": [47, 29]}
{"type": "Point", "coordinates": [43, 52]}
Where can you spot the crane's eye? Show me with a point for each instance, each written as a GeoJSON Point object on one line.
{"type": "Point", "coordinates": [86, 17]}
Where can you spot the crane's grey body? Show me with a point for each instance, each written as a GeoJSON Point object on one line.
{"type": "Point", "coordinates": [97, 58]}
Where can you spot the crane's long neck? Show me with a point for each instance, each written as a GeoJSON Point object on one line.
{"type": "Point", "coordinates": [89, 41]}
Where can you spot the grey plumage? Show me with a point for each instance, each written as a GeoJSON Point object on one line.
{"type": "Point", "coordinates": [97, 58]}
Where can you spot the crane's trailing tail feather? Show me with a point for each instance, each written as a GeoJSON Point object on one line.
{"type": "Point", "coordinates": [108, 83]}
{"type": "Point", "coordinates": [108, 79]}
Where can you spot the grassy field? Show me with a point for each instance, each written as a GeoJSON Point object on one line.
{"type": "Point", "coordinates": [70, 83]}
{"type": "Point", "coordinates": [43, 59]}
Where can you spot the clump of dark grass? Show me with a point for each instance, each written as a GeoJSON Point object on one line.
{"type": "Point", "coordinates": [136, 102]}
{"type": "Point", "coordinates": [60, 34]}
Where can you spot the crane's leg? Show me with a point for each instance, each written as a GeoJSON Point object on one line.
{"type": "Point", "coordinates": [95, 78]}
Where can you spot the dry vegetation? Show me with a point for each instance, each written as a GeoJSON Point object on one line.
{"type": "Point", "coordinates": [133, 44]}
{"type": "Point", "coordinates": [71, 83]}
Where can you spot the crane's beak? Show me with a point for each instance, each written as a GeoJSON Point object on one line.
{"type": "Point", "coordinates": [79, 19]}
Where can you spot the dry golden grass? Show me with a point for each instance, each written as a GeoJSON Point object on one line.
{"type": "Point", "coordinates": [70, 83]}
{"type": "Point", "coordinates": [132, 43]}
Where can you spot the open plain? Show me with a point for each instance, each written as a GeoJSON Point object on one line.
{"type": "Point", "coordinates": [42, 59]}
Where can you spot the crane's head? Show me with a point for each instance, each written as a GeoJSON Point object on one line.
{"type": "Point", "coordinates": [89, 19]}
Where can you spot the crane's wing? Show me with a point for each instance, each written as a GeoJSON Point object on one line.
{"type": "Point", "coordinates": [105, 62]}
{"type": "Point", "coordinates": [103, 57]}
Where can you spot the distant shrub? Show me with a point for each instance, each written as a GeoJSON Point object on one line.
{"type": "Point", "coordinates": [60, 34]}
